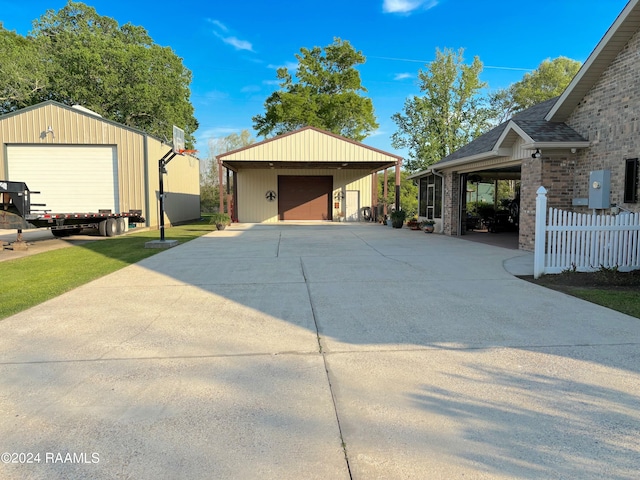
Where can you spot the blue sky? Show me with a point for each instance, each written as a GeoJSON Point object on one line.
{"type": "Point", "coordinates": [234, 47]}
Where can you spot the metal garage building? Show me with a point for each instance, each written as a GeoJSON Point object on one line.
{"type": "Point", "coordinates": [307, 174]}
{"type": "Point", "coordinates": [81, 162]}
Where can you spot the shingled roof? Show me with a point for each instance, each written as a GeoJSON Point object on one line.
{"type": "Point", "coordinates": [531, 121]}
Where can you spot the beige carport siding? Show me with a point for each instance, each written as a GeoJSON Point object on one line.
{"type": "Point", "coordinates": [307, 153]}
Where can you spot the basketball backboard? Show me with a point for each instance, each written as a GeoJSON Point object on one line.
{"type": "Point", "coordinates": [178, 140]}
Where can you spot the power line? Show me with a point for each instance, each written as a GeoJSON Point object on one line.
{"type": "Point", "coordinates": [412, 60]}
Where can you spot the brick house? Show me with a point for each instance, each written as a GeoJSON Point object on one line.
{"type": "Point", "coordinates": [593, 128]}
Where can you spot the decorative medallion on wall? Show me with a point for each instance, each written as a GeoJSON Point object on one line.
{"type": "Point", "coordinates": [270, 196]}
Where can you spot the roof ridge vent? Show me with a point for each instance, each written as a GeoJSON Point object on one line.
{"type": "Point", "coordinates": [86, 110]}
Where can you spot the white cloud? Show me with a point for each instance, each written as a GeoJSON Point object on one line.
{"type": "Point", "coordinates": [237, 43]}
{"type": "Point", "coordinates": [250, 89]}
{"type": "Point", "coordinates": [402, 76]}
{"type": "Point", "coordinates": [287, 65]}
{"type": "Point", "coordinates": [407, 6]}
{"type": "Point", "coordinates": [218, 24]}
{"type": "Point", "coordinates": [221, 31]}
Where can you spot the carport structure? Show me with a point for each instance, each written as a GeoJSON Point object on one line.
{"type": "Point", "coordinates": [307, 174]}
{"type": "Point", "coordinates": [510, 151]}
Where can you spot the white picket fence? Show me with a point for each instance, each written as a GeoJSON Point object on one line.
{"type": "Point", "coordinates": [584, 242]}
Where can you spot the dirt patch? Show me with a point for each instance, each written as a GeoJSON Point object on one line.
{"type": "Point", "coordinates": [605, 279]}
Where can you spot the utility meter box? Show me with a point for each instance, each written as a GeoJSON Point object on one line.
{"type": "Point", "coordinates": [600, 189]}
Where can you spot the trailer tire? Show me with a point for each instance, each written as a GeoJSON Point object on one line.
{"type": "Point", "coordinates": [102, 228]}
{"type": "Point", "coordinates": [121, 226]}
{"type": "Point", "coordinates": [59, 233]}
{"type": "Point", "coordinates": [111, 228]}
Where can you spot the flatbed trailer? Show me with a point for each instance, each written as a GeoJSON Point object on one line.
{"type": "Point", "coordinates": [16, 213]}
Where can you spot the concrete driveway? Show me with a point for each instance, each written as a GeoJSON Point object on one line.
{"type": "Point", "coordinates": [320, 352]}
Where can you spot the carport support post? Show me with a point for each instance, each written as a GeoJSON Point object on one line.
{"type": "Point", "coordinates": [398, 165]}
{"type": "Point", "coordinates": [162, 163]}
{"type": "Point", "coordinates": [374, 197]}
{"type": "Point", "coordinates": [385, 192]}
{"type": "Point", "coordinates": [220, 192]}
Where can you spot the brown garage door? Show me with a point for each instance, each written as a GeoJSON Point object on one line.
{"type": "Point", "coordinates": [304, 197]}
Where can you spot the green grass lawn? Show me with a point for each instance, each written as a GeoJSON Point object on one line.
{"type": "Point", "coordinates": [32, 280]}
{"type": "Point", "coordinates": [625, 301]}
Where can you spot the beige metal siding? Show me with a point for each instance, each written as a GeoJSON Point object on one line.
{"type": "Point", "coordinates": [135, 161]}
{"type": "Point", "coordinates": [309, 146]}
{"type": "Point", "coordinates": [253, 207]}
{"type": "Point", "coordinates": [181, 186]}
{"type": "Point", "coordinates": [73, 128]}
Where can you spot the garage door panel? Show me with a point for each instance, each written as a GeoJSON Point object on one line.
{"type": "Point", "coordinates": [304, 197]}
{"type": "Point", "coordinates": [69, 178]}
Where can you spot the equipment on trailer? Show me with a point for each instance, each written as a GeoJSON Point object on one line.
{"type": "Point", "coordinates": [16, 213]}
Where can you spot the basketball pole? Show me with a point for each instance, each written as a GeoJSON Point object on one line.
{"type": "Point", "coordinates": [162, 163]}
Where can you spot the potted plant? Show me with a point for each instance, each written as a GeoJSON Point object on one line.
{"type": "Point", "coordinates": [220, 220]}
{"type": "Point", "coordinates": [397, 218]}
{"type": "Point", "coordinates": [428, 226]}
{"type": "Point", "coordinates": [413, 224]}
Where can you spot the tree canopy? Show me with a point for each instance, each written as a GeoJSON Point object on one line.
{"type": "Point", "coordinates": [449, 114]}
{"type": "Point", "coordinates": [549, 80]}
{"type": "Point", "coordinates": [76, 56]}
{"type": "Point", "coordinates": [209, 187]}
{"type": "Point", "coordinates": [326, 93]}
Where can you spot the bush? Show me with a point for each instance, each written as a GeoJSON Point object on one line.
{"type": "Point", "coordinates": [220, 219]}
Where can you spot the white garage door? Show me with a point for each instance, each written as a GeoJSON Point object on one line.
{"type": "Point", "coordinates": [69, 178]}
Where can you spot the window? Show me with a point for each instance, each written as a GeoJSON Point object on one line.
{"type": "Point", "coordinates": [422, 197]}
{"type": "Point", "coordinates": [631, 180]}
{"type": "Point", "coordinates": [430, 197]}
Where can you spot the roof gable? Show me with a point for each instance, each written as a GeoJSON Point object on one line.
{"type": "Point", "coordinates": [625, 26]}
{"type": "Point", "coordinates": [309, 144]}
{"type": "Point", "coordinates": [529, 125]}
{"type": "Point", "coordinates": [79, 110]}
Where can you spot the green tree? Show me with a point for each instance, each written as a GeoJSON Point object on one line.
{"type": "Point", "coordinates": [209, 181]}
{"type": "Point", "coordinates": [22, 72]}
{"type": "Point", "coordinates": [549, 80]}
{"type": "Point", "coordinates": [408, 193]}
{"type": "Point", "coordinates": [325, 94]}
{"type": "Point", "coordinates": [117, 71]}
{"type": "Point", "coordinates": [449, 114]}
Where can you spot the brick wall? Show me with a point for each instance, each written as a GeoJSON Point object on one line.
{"type": "Point", "coordinates": [451, 207]}
{"type": "Point", "coordinates": [554, 171]}
{"type": "Point", "coordinates": [609, 116]}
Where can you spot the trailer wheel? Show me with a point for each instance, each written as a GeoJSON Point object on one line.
{"type": "Point", "coordinates": [121, 226]}
{"type": "Point", "coordinates": [59, 233]}
{"type": "Point", "coordinates": [102, 228]}
{"type": "Point", "coordinates": [111, 228]}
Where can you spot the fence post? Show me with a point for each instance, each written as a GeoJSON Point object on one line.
{"type": "Point", "coordinates": [540, 230]}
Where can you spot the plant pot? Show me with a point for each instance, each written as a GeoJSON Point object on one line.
{"type": "Point", "coordinates": [429, 228]}
{"type": "Point", "coordinates": [220, 226]}
{"type": "Point", "coordinates": [397, 223]}
{"type": "Point", "coordinates": [388, 222]}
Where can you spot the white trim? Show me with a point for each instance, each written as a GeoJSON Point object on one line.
{"type": "Point", "coordinates": [512, 126]}
{"type": "Point", "coordinates": [555, 145]}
